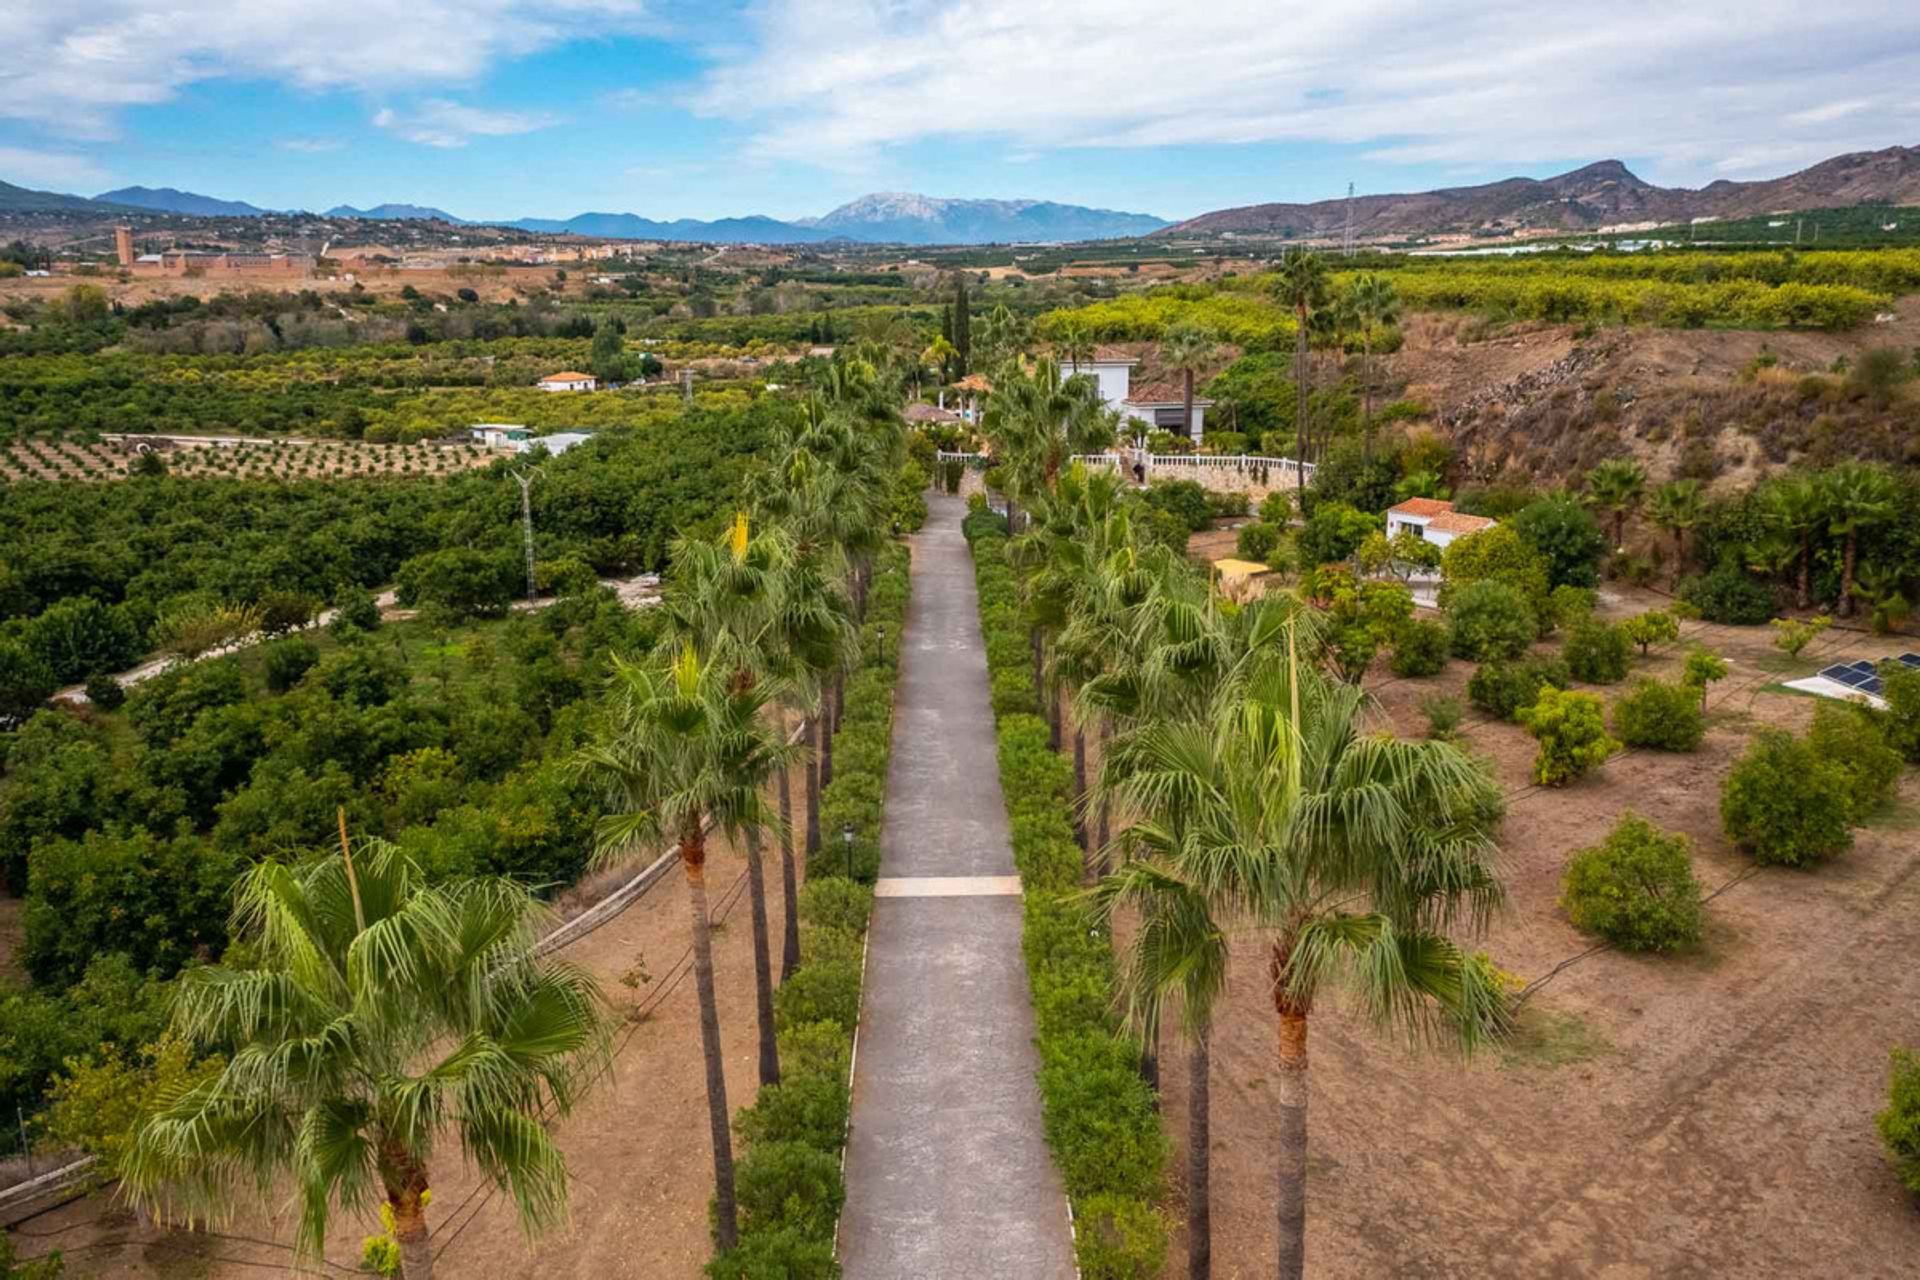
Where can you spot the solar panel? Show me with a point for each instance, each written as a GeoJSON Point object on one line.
{"type": "Point", "coordinates": [1911, 660]}
{"type": "Point", "coordinates": [1853, 679]}
{"type": "Point", "coordinates": [1865, 666]}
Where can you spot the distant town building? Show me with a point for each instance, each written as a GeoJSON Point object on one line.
{"type": "Point", "coordinates": [123, 245]}
{"type": "Point", "coordinates": [1434, 520]}
{"type": "Point", "coordinates": [180, 262]}
{"type": "Point", "coordinates": [567, 380]}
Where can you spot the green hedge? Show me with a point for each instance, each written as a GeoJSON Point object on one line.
{"type": "Point", "coordinates": [788, 1173]}
{"type": "Point", "coordinates": [1099, 1114]}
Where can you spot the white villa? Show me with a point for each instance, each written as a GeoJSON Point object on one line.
{"type": "Point", "coordinates": [567, 380]}
{"type": "Point", "coordinates": [1157, 406]}
{"type": "Point", "coordinates": [511, 437]}
{"type": "Point", "coordinates": [1434, 520]}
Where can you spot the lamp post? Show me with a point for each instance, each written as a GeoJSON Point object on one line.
{"type": "Point", "coordinates": [880, 630]}
{"type": "Point", "coordinates": [846, 838]}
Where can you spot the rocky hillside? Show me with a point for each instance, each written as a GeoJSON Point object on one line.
{"type": "Point", "coordinates": [1598, 195]}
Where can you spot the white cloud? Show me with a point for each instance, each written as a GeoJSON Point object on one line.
{"type": "Point", "coordinates": [71, 66]}
{"type": "Point", "coordinates": [311, 146]}
{"type": "Point", "coordinates": [56, 170]}
{"type": "Point", "coordinates": [836, 81]}
{"type": "Point", "coordinates": [439, 122]}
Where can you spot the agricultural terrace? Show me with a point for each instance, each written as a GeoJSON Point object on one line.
{"type": "Point", "coordinates": [34, 458]}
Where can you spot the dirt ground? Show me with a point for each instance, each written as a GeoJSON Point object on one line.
{"type": "Point", "coordinates": [1701, 1114]}
{"type": "Point", "coordinates": [638, 1146]}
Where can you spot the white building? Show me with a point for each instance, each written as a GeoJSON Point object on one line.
{"type": "Point", "coordinates": [568, 380]}
{"type": "Point", "coordinates": [559, 442]}
{"type": "Point", "coordinates": [1157, 406]}
{"type": "Point", "coordinates": [1434, 520]}
{"type": "Point", "coordinates": [499, 435]}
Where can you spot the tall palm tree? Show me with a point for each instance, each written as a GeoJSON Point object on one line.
{"type": "Point", "coordinates": [1075, 346]}
{"type": "Point", "coordinates": [1302, 285]}
{"type": "Point", "coordinates": [1376, 305]}
{"type": "Point", "coordinates": [685, 745]}
{"type": "Point", "coordinates": [1858, 496]}
{"type": "Point", "coordinates": [1188, 350]}
{"type": "Point", "coordinates": [1618, 486]}
{"type": "Point", "coordinates": [1677, 507]}
{"type": "Point", "coordinates": [1355, 853]}
{"type": "Point", "coordinates": [1795, 509]}
{"type": "Point", "coordinates": [381, 1014]}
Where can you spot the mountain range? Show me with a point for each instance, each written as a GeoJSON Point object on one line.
{"type": "Point", "coordinates": [1598, 195]}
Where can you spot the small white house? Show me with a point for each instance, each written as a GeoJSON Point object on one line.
{"type": "Point", "coordinates": [499, 435]}
{"type": "Point", "coordinates": [1111, 370]}
{"type": "Point", "coordinates": [568, 380]}
{"type": "Point", "coordinates": [1434, 520]}
{"type": "Point", "coordinates": [1161, 406]}
{"type": "Point", "coordinates": [559, 442]}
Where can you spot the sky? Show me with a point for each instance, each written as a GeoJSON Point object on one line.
{"type": "Point", "coordinates": [683, 108]}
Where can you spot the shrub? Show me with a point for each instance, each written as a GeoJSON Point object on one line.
{"type": "Point", "coordinates": [1850, 737]}
{"type": "Point", "coordinates": [1505, 689]}
{"type": "Point", "coordinates": [801, 1108]}
{"type": "Point", "coordinates": [1568, 605]}
{"type": "Point", "coordinates": [785, 1253]}
{"type": "Point", "coordinates": [106, 693]}
{"type": "Point", "coordinates": [1494, 555]}
{"type": "Point", "coordinates": [1899, 1124]}
{"type": "Point", "coordinates": [1444, 713]}
{"type": "Point", "coordinates": [834, 902]}
{"type": "Point", "coordinates": [789, 1184]}
{"type": "Point", "coordinates": [1791, 635]}
{"type": "Point", "coordinates": [1655, 626]}
{"type": "Point", "coordinates": [1490, 621]}
{"type": "Point", "coordinates": [1334, 532]}
{"type": "Point", "coordinates": [1572, 732]}
{"type": "Point", "coordinates": [1119, 1238]}
{"type": "Point", "coordinates": [1784, 804]}
{"type": "Point", "coordinates": [1185, 499]}
{"type": "Point", "coordinates": [1901, 726]}
{"type": "Point", "coordinates": [1663, 716]}
{"type": "Point", "coordinates": [1636, 889]}
{"type": "Point", "coordinates": [355, 609]}
{"type": "Point", "coordinates": [1420, 648]}
{"type": "Point", "coordinates": [1728, 595]}
{"type": "Point", "coordinates": [1702, 668]}
{"type": "Point", "coordinates": [1257, 541]}
{"type": "Point", "coordinates": [288, 660]}
{"type": "Point", "coordinates": [1562, 530]}
{"type": "Point", "coordinates": [1597, 652]}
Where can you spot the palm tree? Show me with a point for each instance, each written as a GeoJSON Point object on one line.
{"type": "Point", "coordinates": [1617, 485]}
{"type": "Point", "coordinates": [1677, 507]}
{"type": "Point", "coordinates": [1857, 496]}
{"type": "Point", "coordinates": [1353, 851]}
{"type": "Point", "coordinates": [1302, 285]}
{"type": "Point", "coordinates": [1075, 346]}
{"type": "Point", "coordinates": [685, 746]}
{"type": "Point", "coordinates": [379, 1014]}
{"type": "Point", "coordinates": [1187, 349]}
{"type": "Point", "coordinates": [1795, 508]}
{"type": "Point", "coordinates": [1376, 305]}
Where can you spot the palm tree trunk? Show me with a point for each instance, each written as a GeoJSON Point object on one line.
{"type": "Point", "coordinates": [1848, 564]}
{"type": "Point", "coordinates": [789, 887]}
{"type": "Point", "coordinates": [693, 857]}
{"type": "Point", "coordinates": [1366, 395]}
{"type": "Point", "coordinates": [1187, 399]}
{"type": "Point", "coordinates": [1080, 788]}
{"type": "Point", "coordinates": [1100, 831]}
{"type": "Point", "coordinates": [405, 1183]}
{"type": "Point", "coordinates": [1290, 1200]}
{"type": "Point", "coordinates": [762, 961]}
{"type": "Point", "coordinates": [1300, 390]}
{"type": "Point", "coordinates": [813, 785]}
{"type": "Point", "coordinates": [1054, 727]}
{"type": "Point", "coordinates": [1150, 1060]}
{"type": "Point", "coordinates": [1806, 573]}
{"type": "Point", "coordinates": [826, 738]}
{"type": "Point", "coordinates": [1199, 1162]}
{"type": "Point", "coordinates": [1039, 665]}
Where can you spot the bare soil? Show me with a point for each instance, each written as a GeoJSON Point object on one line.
{"type": "Point", "coordinates": [1700, 1114]}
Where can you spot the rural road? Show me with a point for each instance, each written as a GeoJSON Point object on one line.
{"type": "Point", "coordinates": [948, 1173]}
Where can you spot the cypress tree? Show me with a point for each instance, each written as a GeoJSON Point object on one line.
{"type": "Point", "coordinates": [962, 326]}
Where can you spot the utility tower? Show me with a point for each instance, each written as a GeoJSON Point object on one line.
{"type": "Point", "coordinates": [525, 480]}
{"type": "Point", "coordinates": [1347, 244]}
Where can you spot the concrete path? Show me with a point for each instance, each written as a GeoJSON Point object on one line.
{"type": "Point", "coordinates": [948, 1173]}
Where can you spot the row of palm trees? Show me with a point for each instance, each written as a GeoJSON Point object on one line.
{"type": "Point", "coordinates": [1366, 306]}
{"type": "Point", "coordinates": [1241, 793]}
{"type": "Point", "coordinates": [375, 1012]}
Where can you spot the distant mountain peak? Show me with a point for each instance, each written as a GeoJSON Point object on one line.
{"type": "Point", "coordinates": [393, 213]}
{"type": "Point", "coordinates": [173, 200]}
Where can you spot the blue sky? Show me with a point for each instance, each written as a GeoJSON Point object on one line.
{"type": "Point", "coordinates": [502, 108]}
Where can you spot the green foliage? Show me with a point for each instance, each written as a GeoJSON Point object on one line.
{"type": "Point", "coordinates": [1636, 889]}
{"type": "Point", "coordinates": [1498, 554]}
{"type": "Point", "coordinates": [1119, 1238]}
{"type": "Point", "coordinates": [1334, 533]}
{"type": "Point", "coordinates": [1901, 724]}
{"type": "Point", "coordinates": [1258, 542]}
{"type": "Point", "coordinates": [1899, 1123]}
{"type": "Point", "coordinates": [1569, 605]}
{"type": "Point", "coordinates": [95, 1103]}
{"type": "Point", "coordinates": [1565, 533]}
{"type": "Point", "coordinates": [1572, 732]}
{"type": "Point", "coordinates": [1851, 738]}
{"type": "Point", "coordinates": [1597, 652]}
{"type": "Point", "coordinates": [355, 609]}
{"type": "Point", "coordinates": [782, 1253]}
{"type": "Point", "coordinates": [288, 661]}
{"type": "Point", "coordinates": [1505, 689]}
{"type": "Point", "coordinates": [836, 903]}
{"type": "Point", "coordinates": [105, 692]}
{"type": "Point", "coordinates": [26, 682]}
{"type": "Point", "coordinates": [49, 1266]}
{"type": "Point", "coordinates": [465, 582]}
{"type": "Point", "coordinates": [1184, 499]}
{"type": "Point", "coordinates": [1665, 717]}
{"type": "Point", "coordinates": [1655, 626]}
{"type": "Point", "coordinates": [789, 1184]}
{"type": "Point", "coordinates": [1444, 713]}
{"type": "Point", "coordinates": [1491, 621]}
{"type": "Point", "coordinates": [1784, 803]}
{"type": "Point", "coordinates": [1420, 648]}
{"type": "Point", "coordinates": [1728, 595]}
{"type": "Point", "coordinates": [41, 1031]}
{"type": "Point", "coordinates": [1702, 667]}
{"type": "Point", "coordinates": [79, 637]}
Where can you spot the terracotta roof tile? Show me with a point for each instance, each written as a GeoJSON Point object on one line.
{"type": "Point", "coordinates": [1170, 391]}
{"type": "Point", "coordinates": [930, 413]}
{"type": "Point", "coordinates": [567, 375]}
{"type": "Point", "coordinates": [1420, 507]}
{"type": "Point", "coordinates": [1458, 522]}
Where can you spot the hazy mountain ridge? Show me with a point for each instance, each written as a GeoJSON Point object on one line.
{"type": "Point", "coordinates": [172, 200]}
{"type": "Point", "coordinates": [1595, 195]}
